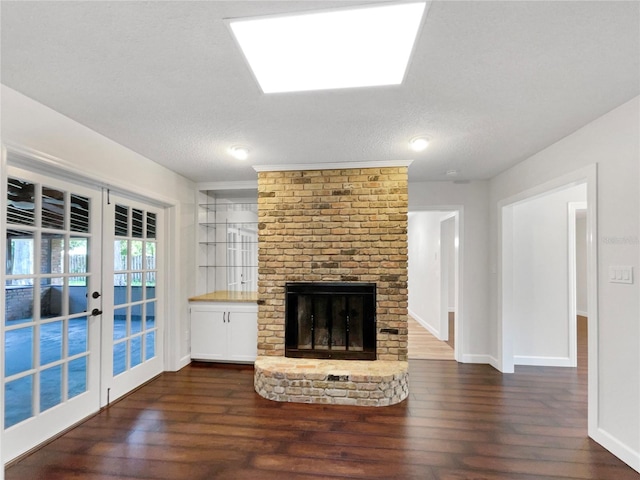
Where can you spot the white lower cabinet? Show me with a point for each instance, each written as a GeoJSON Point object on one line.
{"type": "Point", "coordinates": [225, 332]}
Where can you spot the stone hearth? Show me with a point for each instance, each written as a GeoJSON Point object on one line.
{"type": "Point", "coordinates": [337, 382]}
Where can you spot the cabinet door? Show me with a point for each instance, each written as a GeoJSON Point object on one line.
{"type": "Point", "coordinates": [208, 334]}
{"type": "Point", "coordinates": [243, 335]}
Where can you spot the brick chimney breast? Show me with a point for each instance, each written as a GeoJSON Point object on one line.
{"type": "Point", "coordinates": [347, 225]}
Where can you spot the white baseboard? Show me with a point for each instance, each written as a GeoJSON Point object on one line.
{"type": "Point", "coordinates": [480, 358]}
{"type": "Point", "coordinates": [542, 361]}
{"type": "Point", "coordinates": [619, 449]}
{"type": "Point", "coordinates": [423, 322]}
{"type": "Point", "coordinates": [180, 364]}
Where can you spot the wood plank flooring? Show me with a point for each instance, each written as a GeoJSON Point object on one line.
{"type": "Point", "coordinates": [423, 345]}
{"type": "Point", "coordinates": [461, 421]}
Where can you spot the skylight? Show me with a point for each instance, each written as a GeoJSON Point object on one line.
{"type": "Point", "coordinates": [358, 47]}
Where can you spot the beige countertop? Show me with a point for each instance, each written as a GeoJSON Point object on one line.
{"type": "Point", "coordinates": [226, 296]}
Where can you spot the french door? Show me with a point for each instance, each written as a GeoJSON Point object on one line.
{"type": "Point", "coordinates": [51, 348]}
{"type": "Point", "coordinates": [132, 327]}
{"type": "Point", "coordinates": [83, 322]}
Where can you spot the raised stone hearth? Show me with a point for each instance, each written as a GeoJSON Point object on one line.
{"type": "Point", "coordinates": [338, 382]}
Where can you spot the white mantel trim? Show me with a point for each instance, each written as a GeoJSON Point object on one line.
{"type": "Point", "coordinates": [331, 166]}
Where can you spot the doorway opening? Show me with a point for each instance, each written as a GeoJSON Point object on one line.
{"type": "Point", "coordinates": [434, 284]}
{"type": "Point", "coordinates": [537, 322]}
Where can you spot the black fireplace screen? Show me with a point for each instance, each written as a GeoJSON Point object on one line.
{"type": "Point", "coordinates": [331, 320]}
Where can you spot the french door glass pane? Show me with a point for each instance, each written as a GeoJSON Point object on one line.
{"type": "Point", "coordinates": [78, 331]}
{"type": "Point", "coordinates": [150, 316]}
{"type": "Point", "coordinates": [20, 257]}
{"type": "Point", "coordinates": [20, 202]}
{"type": "Point", "coordinates": [50, 387]}
{"type": "Point", "coordinates": [122, 221]}
{"type": "Point", "coordinates": [150, 248]}
{"type": "Point", "coordinates": [78, 296]}
{"type": "Point", "coordinates": [136, 351]}
{"type": "Point", "coordinates": [150, 284]}
{"type": "Point", "coordinates": [79, 214]}
{"type": "Point", "coordinates": [137, 223]}
{"type": "Point", "coordinates": [120, 255]}
{"type": "Point", "coordinates": [119, 358]}
{"type": "Point", "coordinates": [18, 302]}
{"type": "Point", "coordinates": [50, 342]}
{"type": "Point", "coordinates": [120, 289]}
{"type": "Point", "coordinates": [120, 323]}
{"type": "Point", "coordinates": [136, 319]}
{"type": "Point", "coordinates": [150, 345]}
{"type": "Point", "coordinates": [18, 395]}
{"type": "Point", "coordinates": [136, 289]}
{"type": "Point", "coordinates": [78, 255]}
{"type": "Point", "coordinates": [53, 208]}
{"type": "Point", "coordinates": [52, 296]}
{"type": "Point", "coordinates": [77, 373]}
{"type": "Point", "coordinates": [151, 225]}
{"type": "Point", "coordinates": [52, 253]}
{"type": "Point", "coordinates": [18, 351]}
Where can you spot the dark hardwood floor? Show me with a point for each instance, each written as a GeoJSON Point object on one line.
{"type": "Point", "coordinates": [461, 421]}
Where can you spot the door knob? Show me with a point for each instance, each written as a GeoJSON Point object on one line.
{"type": "Point", "coordinates": [95, 312]}
{"type": "Point", "coordinates": [95, 295]}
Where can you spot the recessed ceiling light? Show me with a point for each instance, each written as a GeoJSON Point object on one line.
{"type": "Point", "coordinates": [418, 144]}
{"type": "Point", "coordinates": [452, 173]}
{"type": "Point", "coordinates": [239, 153]}
{"type": "Point", "coordinates": [356, 47]}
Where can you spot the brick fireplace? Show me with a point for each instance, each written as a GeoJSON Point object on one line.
{"type": "Point", "coordinates": [339, 225]}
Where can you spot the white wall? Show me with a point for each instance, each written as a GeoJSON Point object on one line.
{"type": "Point", "coordinates": [540, 263]}
{"type": "Point", "coordinates": [582, 306]}
{"type": "Point", "coordinates": [61, 142]}
{"type": "Point", "coordinates": [613, 143]}
{"type": "Point", "coordinates": [424, 269]}
{"type": "Point", "coordinates": [472, 200]}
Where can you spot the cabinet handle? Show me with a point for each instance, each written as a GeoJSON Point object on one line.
{"type": "Point", "coordinates": [224, 317]}
{"type": "Point", "coordinates": [228, 317]}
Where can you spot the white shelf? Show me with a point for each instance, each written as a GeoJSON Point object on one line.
{"type": "Point", "coordinates": [227, 243]}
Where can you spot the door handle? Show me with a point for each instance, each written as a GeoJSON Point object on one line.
{"type": "Point", "coordinates": [95, 295]}
{"type": "Point", "coordinates": [95, 312]}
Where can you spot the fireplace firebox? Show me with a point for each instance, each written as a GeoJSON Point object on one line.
{"type": "Point", "coordinates": [330, 320]}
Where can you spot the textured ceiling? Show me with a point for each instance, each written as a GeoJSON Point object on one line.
{"type": "Point", "coordinates": [491, 82]}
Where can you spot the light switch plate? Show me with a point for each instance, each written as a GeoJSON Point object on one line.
{"type": "Point", "coordinates": [620, 274]}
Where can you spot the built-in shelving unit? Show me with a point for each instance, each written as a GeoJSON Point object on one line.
{"type": "Point", "coordinates": [227, 240]}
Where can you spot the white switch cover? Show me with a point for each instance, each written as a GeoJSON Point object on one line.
{"type": "Point", "coordinates": [620, 274]}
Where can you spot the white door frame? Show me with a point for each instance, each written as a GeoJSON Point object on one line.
{"type": "Point", "coordinates": [572, 209]}
{"type": "Point", "coordinates": [457, 211]}
{"type": "Point", "coordinates": [505, 333]}
{"type": "Point", "coordinates": [445, 271]}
